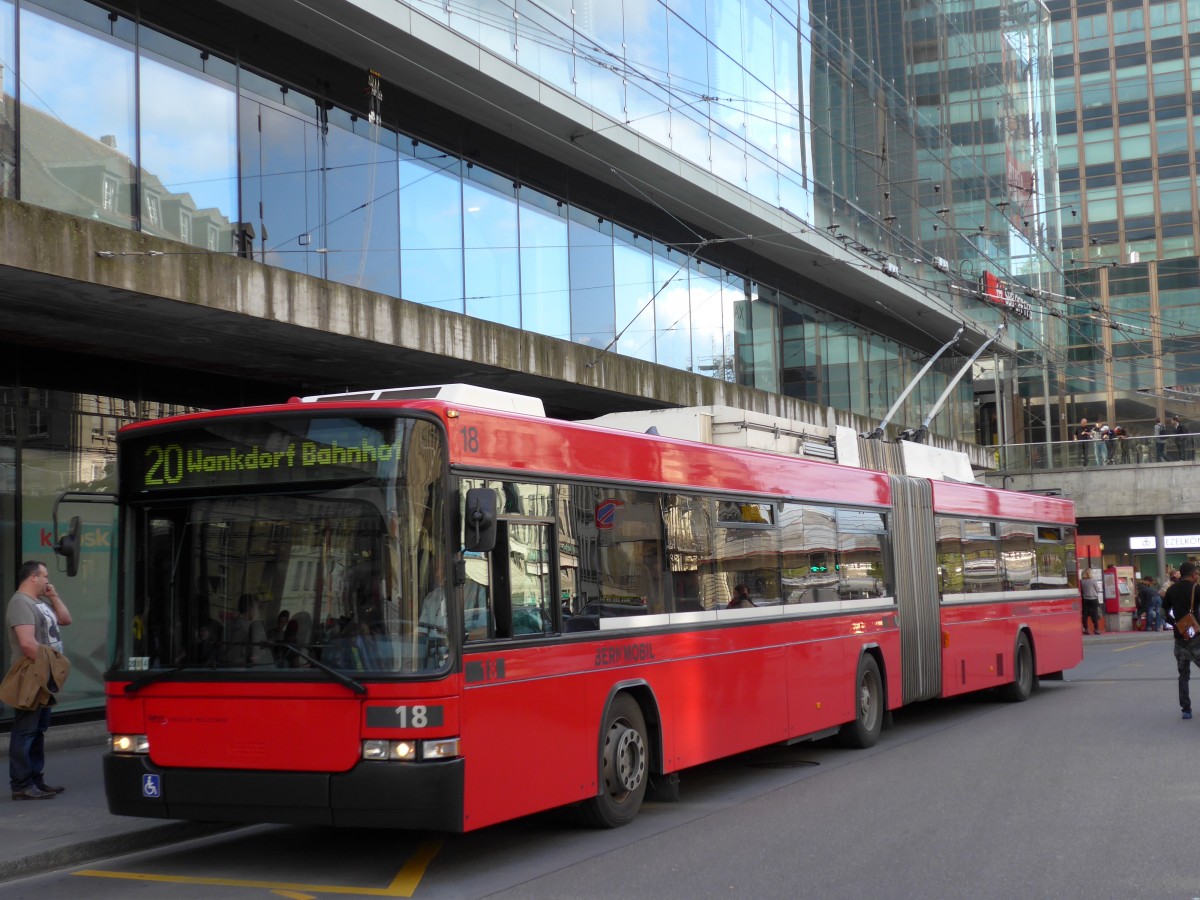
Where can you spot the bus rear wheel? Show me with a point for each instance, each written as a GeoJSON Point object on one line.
{"type": "Point", "coordinates": [1023, 675]}
{"type": "Point", "coordinates": [864, 731]}
{"type": "Point", "coordinates": [623, 766]}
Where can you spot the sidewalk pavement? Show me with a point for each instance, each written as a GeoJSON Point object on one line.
{"type": "Point", "coordinates": [75, 827]}
{"type": "Point", "coordinates": [1129, 636]}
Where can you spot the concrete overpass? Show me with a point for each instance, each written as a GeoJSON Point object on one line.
{"type": "Point", "coordinates": [1124, 502]}
{"type": "Point", "coordinates": [104, 308]}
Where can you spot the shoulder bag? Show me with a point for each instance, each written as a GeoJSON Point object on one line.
{"type": "Point", "coordinates": [1189, 628]}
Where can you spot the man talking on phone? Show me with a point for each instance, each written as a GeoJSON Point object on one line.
{"type": "Point", "coordinates": [35, 615]}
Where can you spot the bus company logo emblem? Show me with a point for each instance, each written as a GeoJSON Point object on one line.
{"type": "Point", "coordinates": [606, 513]}
{"type": "Point", "coordinates": [151, 787]}
{"type": "Point", "coordinates": [624, 654]}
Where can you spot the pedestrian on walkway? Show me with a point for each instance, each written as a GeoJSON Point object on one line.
{"type": "Point", "coordinates": [1089, 590]}
{"type": "Point", "coordinates": [1160, 441]}
{"type": "Point", "coordinates": [1083, 434]}
{"type": "Point", "coordinates": [34, 616]}
{"type": "Point", "coordinates": [1151, 603]}
{"type": "Point", "coordinates": [1183, 439]}
{"type": "Point", "coordinates": [1120, 445]}
{"type": "Point", "coordinates": [1103, 442]}
{"type": "Point", "coordinates": [1180, 600]}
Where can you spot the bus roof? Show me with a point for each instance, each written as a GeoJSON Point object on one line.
{"type": "Point", "coordinates": [512, 444]}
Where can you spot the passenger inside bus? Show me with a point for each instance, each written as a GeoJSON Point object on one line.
{"type": "Point", "coordinates": [208, 643]}
{"type": "Point", "coordinates": [297, 634]}
{"type": "Point", "coordinates": [247, 641]}
{"type": "Point", "coordinates": [741, 598]}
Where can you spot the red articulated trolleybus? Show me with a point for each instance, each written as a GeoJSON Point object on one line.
{"type": "Point", "coordinates": [383, 609]}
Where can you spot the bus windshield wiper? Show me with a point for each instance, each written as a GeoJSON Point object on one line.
{"type": "Point", "coordinates": [150, 677]}
{"type": "Point", "coordinates": [357, 686]}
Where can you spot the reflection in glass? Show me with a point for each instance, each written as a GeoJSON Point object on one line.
{"type": "Point", "coordinates": [620, 575]}
{"type": "Point", "coordinates": [647, 98]}
{"type": "Point", "coordinates": [729, 113]}
{"type": "Point", "coordinates": [635, 286]}
{"type": "Point", "coordinates": [489, 23]}
{"type": "Point", "coordinates": [492, 267]}
{"type": "Point", "coordinates": [763, 106]}
{"type": "Point", "coordinates": [280, 181]}
{"type": "Point", "coordinates": [599, 42]}
{"type": "Point", "coordinates": [362, 232]}
{"type": "Point", "coordinates": [1017, 555]}
{"type": "Point", "coordinates": [544, 41]}
{"type": "Point", "coordinates": [810, 563]}
{"type": "Point", "coordinates": [545, 266]}
{"type": "Point", "coordinates": [77, 120]}
{"type": "Point", "coordinates": [44, 473]}
{"type": "Point", "coordinates": [672, 308]}
{"type": "Point", "coordinates": [320, 189]}
{"type": "Point", "coordinates": [431, 236]}
{"type": "Point", "coordinates": [710, 353]}
{"type": "Point", "coordinates": [756, 330]}
{"type": "Point", "coordinates": [8, 103]}
{"type": "Point", "coordinates": [841, 351]}
{"type": "Point", "coordinates": [687, 54]}
{"type": "Point", "coordinates": [591, 254]}
{"type": "Point", "coordinates": [981, 564]}
{"type": "Point", "coordinates": [189, 155]}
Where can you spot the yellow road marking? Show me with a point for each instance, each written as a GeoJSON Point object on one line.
{"type": "Point", "coordinates": [403, 885]}
{"type": "Point", "coordinates": [294, 895]}
{"type": "Point", "coordinates": [1134, 646]}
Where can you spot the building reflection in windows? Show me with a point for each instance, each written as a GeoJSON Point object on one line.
{"type": "Point", "coordinates": [324, 192]}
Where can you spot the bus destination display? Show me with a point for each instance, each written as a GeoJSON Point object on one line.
{"type": "Point", "coordinates": [229, 456]}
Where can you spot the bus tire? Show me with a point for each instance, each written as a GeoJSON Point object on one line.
{"type": "Point", "coordinates": [624, 767]}
{"type": "Point", "coordinates": [869, 709]}
{"type": "Point", "coordinates": [1024, 678]}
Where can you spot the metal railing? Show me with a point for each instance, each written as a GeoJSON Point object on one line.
{"type": "Point", "coordinates": [1146, 450]}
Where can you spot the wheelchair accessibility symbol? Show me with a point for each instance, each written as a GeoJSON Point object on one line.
{"type": "Point", "coordinates": [151, 786]}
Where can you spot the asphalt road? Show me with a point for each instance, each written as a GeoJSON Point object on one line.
{"type": "Point", "coordinates": [1083, 791]}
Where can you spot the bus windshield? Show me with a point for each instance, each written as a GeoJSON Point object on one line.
{"type": "Point", "coordinates": [287, 547]}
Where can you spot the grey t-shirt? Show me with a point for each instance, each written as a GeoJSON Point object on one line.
{"type": "Point", "coordinates": [26, 610]}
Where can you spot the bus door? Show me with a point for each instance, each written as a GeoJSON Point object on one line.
{"type": "Point", "coordinates": [517, 697]}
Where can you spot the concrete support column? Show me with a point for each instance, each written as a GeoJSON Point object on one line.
{"type": "Point", "coordinates": [1160, 541]}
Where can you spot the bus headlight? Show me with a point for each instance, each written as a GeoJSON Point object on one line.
{"type": "Point", "coordinates": [410, 750]}
{"type": "Point", "coordinates": [394, 750]}
{"type": "Point", "coordinates": [444, 748]}
{"type": "Point", "coordinates": [375, 750]}
{"type": "Point", "coordinates": [129, 744]}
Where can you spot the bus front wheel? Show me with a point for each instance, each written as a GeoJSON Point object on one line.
{"type": "Point", "coordinates": [623, 766]}
{"type": "Point", "coordinates": [864, 731]}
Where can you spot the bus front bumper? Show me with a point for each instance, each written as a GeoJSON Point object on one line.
{"type": "Point", "coordinates": [419, 796]}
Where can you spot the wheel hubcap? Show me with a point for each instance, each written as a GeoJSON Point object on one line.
{"type": "Point", "coordinates": [866, 708]}
{"type": "Point", "coordinates": [625, 759]}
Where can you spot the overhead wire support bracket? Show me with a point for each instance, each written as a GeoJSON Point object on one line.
{"type": "Point", "coordinates": [879, 429]}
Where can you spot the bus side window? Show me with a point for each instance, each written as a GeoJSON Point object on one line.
{"type": "Point", "coordinates": [529, 579]}
{"type": "Point", "coordinates": [479, 620]}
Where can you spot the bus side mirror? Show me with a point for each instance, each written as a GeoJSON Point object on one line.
{"type": "Point", "coordinates": [479, 525]}
{"type": "Point", "coordinates": [68, 546]}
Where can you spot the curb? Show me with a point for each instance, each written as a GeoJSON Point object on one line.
{"type": "Point", "coordinates": [68, 736]}
{"type": "Point", "coordinates": [112, 845]}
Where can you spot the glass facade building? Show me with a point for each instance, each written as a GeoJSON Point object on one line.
{"type": "Point", "coordinates": [1127, 79]}
{"type": "Point", "coordinates": [904, 138]}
